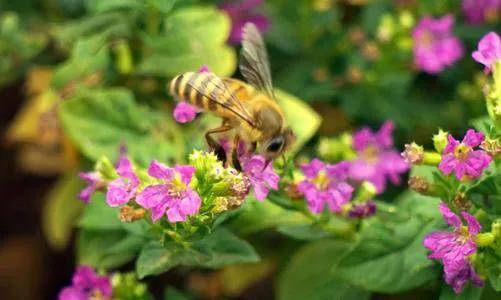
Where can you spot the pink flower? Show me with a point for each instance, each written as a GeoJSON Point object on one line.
{"type": "Point", "coordinates": [261, 175]}
{"type": "Point", "coordinates": [478, 11]}
{"type": "Point", "coordinates": [184, 112]}
{"type": "Point", "coordinates": [435, 46]}
{"type": "Point", "coordinates": [242, 12]}
{"type": "Point", "coordinates": [462, 159]}
{"type": "Point", "coordinates": [94, 182]}
{"type": "Point", "coordinates": [454, 248]}
{"type": "Point", "coordinates": [489, 50]}
{"type": "Point", "coordinates": [173, 196]}
{"type": "Point", "coordinates": [325, 185]}
{"type": "Point", "coordinates": [86, 284]}
{"type": "Point", "coordinates": [123, 189]}
{"type": "Point", "coordinates": [377, 161]}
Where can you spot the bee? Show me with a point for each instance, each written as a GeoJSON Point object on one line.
{"type": "Point", "coordinates": [250, 110]}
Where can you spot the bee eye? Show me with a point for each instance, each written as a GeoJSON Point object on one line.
{"type": "Point", "coordinates": [275, 145]}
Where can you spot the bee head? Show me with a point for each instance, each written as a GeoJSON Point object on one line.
{"type": "Point", "coordinates": [278, 144]}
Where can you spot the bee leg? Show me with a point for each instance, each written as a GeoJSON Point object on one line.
{"type": "Point", "coordinates": [234, 154]}
{"type": "Point", "coordinates": [215, 146]}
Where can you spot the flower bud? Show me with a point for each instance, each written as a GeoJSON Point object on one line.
{"type": "Point", "coordinates": [484, 239]}
{"type": "Point", "coordinates": [105, 169]}
{"type": "Point", "coordinates": [413, 154]}
{"type": "Point", "coordinates": [406, 19]}
{"type": "Point", "coordinates": [366, 192]}
{"type": "Point", "coordinates": [386, 28]}
{"type": "Point", "coordinates": [419, 184]}
{"type": "Point", "coordinates": [440, 140]}
{"type": "Point", "coordinates": [496, 229]}
{"type": "Point", "coordinates": [431, 158]}
{"type": "Point", "coordinates": [491, 146]}
{"type": "Point", "coordinates": [129, 214]}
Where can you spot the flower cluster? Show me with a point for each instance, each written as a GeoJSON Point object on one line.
{"type": "Point", "coordinates": [435, 46]}
{"type": "Point", "coordinates": [180, 191]}
{"type": "Point", "coordinates": [455, 248]}
{"type": "Point", "coordinates": [87, 284]}
{"type": "Point", "coordinates": [489, 50]}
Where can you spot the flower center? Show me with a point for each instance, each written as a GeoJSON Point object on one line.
{"type": "Point", "coordinates": [370, 153]}
{"type": "Point", "coordinates": [97, 295]}
{"type": "Point", "coordinates": [321, 181]}
{"type": "Point", "coordinates": [177, 186]}
{"type": "Point", "coordinates": [461, 151]}
{"type": "Point", "coordinates": [463, 234]}
{"type": "Point", "coordinates": [426, 39]}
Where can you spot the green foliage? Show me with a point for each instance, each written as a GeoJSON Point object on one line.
{"type": "Point", "coordinates": [99, 121]}
{"type": "Point", "coordinates": [216, 250]}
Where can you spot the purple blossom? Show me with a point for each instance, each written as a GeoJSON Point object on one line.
{"type": "Point", "coordinates": [363, 210]}
{"type": "Point", "coordinates": [435, 46]}
{"type": "Point", "coordinates": [184, 112]}
{"type": "Point", "coordinates": [462, 159]}
{"type": "Point", "coordinates": [377, 161]}
{"type": "Point", "coordinates": [478, 11]}
{"type": "Point", "coordinates": [261, 175]}
{"type": "Point", "coordinates": [94, 182]}
{"type": "Point", "coordinates": [454, 248]}
{"type": "Point", "coordinates": [86, 284]}
{"type": "Point", "coordinates": [242, 12]}
{"type": "Point", "coordinates": [325, 184]}
{"type": "Point", "coordinates": [489, 50]}
{"type": "Point", "coordinates": [173, 196]}
{"type": "Point", "coordinates": [204, 69]}
{"type": "Point", "coordinates": [124, 188]}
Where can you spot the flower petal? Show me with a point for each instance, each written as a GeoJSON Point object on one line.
{"type": "Point", "coordinates": [450, 217]}
{"type": "Point", "coordinates": [160, 171]}
{"type": "Point", "coordinates": [473, 225]}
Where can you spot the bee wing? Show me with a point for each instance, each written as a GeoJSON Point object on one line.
{"type": "Point", "coordinates": [254, 64]}
{"type": "Point", "coordinates": [216, 90]}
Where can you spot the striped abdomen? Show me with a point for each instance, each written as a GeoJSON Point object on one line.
{"type": "Point", "coordinates": [203, 90]}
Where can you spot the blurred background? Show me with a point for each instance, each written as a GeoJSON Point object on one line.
{"type": "Point", "coordinates": [351, 60]}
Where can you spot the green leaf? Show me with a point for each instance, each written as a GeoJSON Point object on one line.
{"type": "Point", "coordinates": [303, 120]}
{"type": "Point", "coordinates": [99, 121]}
{"type": "Point", "coordinates": [389, 256]}
{"type": "Point", "coordinates": [172, 293]}
{"type": "Point", "coordinates": [188, 43]}
{"type": "Point", "coordinates": [469, 293]}
{"type": "Point", "coordinates": [309, 275]}
{"type": "Point", "coordinates": [256, 216]}
{"type": "Point", "coordinates": [98, 215]}
{"type": "Point", "coordinates": [107, 249]}
{"type": "Point", "coordinates": [216, 250]}
{"type": "Point", "coordinates": [60, 210]}
{"type": "Point", "coordinates": [98, 6]}
{"type": "Point", "coordinates": [155, 258]}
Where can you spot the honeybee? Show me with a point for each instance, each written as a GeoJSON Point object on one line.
{"type": "Point", "coordinates": [250, 110]}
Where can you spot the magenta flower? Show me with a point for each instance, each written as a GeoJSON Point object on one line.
{"type": "Point", "coordinates": [86, 284]}
{"type": "Point", "coordinates": [478, 11]}
{"type": "Point", "coordinates": [462, 159]}
{"type": "Point", "coordinates": [123, 189]}
{"type": "Point", "coordinates": [454, 248]}
{"type": "Point", "coordinates": [173, 196]}
{"type": "Point", "coordinates": [435, 46]}
{"type": "Point", "coordinates": [94, 182]}
{"type": "Point", "coordinates": [377, 161]}
{"type": "Point", "coordinates": [261, 175]}
{"type": "Point", "coordinates": [325, 185]}
{"type": "Point", "coordinates": [363, 210]}
{"type": "Point", "coordinates": [489, 50]}
{"type": "Point", "coordinates": [184, 112]}
{"type": "Point", "coordinates": [242, 12]}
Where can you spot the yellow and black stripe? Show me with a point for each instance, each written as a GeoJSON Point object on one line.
{"type": "Point", "coordinates": [203, 90]}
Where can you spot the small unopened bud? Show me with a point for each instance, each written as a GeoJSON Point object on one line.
{"type": "Point", "coordinates": [129, 214]}
{"type": "Point", "coordinates": [431, 158]}
{"type": "Point", "coordinates": [461, 202]}
{"type": "Point", "coordinates": [484, 239]}
{"type": "Point", "coordinates": [496, 228]}
{"type": "Point", "coordinates": [386, 28]}
{"type": "Point", "coordinates": [354, 74]}
{"type": "Point", "coordinates": [292, 191]}
{"type": "Point", "coordinates": [413, 154]}
{"type": "Point", "coordinates": [406, 19]}
{"type": "Point", "coordinates": [356, 35]}
{"type": "Point", "coordinates": [106, 169]}
{"type": "Point", "coordinates": [419, 184]}
{"type": "Point", "coordinates": [366, 192]}
{"type": "Point", "coordinates": [371, 51]}
{"type": "Point", "coordinates": [440, 140]}
{"type": "Point", "coordinates": [491, 146]}
{"type": "Point", "coordinates": [220, 205]}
